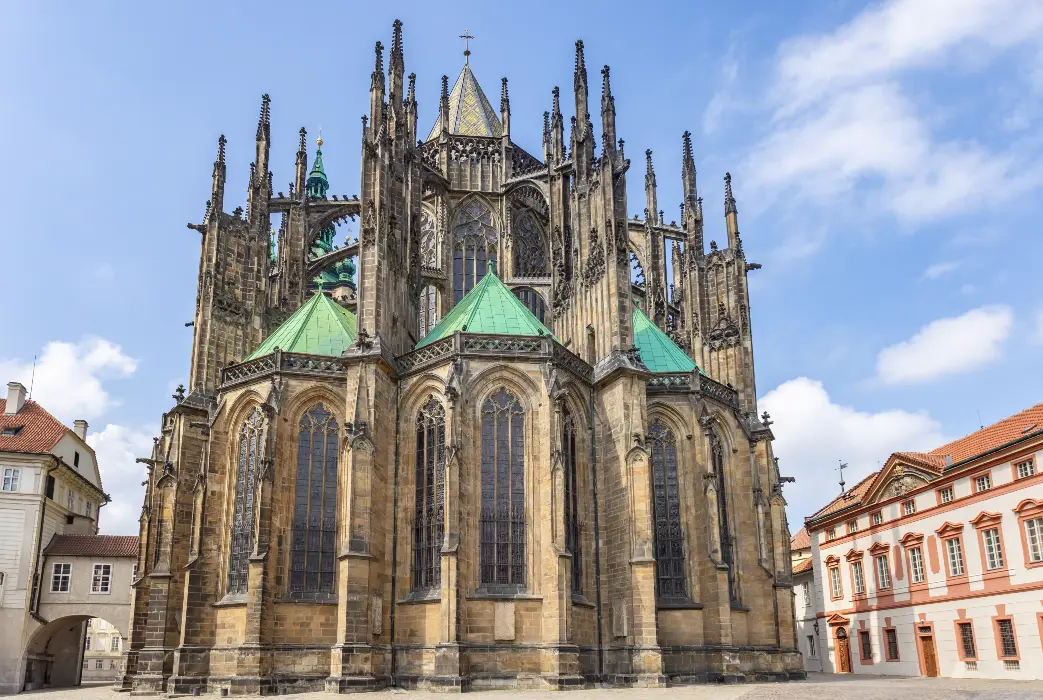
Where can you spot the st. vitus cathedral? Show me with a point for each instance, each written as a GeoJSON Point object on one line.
{"type": "Point", "coordinates": [518, 446]}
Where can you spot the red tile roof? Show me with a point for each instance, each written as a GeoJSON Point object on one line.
{"type": "Point", "coordinates": [989, 438]}
{"type": "Point", "coordinates": [853, 497]}
{"type": "Point", "coordinates": [803, 566]}
{"type": "Point", "coordinates": [93, 546]}
{"type": "Point", "coordinates": [801, 540]}
{"type": "Point", "coordinates": [40, 431]}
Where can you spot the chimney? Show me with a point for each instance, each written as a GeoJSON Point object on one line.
{"type": "Point", "coordinates": [15, 398]}
{"type": "Point", "coordinates": [80, 428]}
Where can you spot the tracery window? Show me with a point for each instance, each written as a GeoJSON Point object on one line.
{"type": "Point", "coordinates": [428, 310]}
{"type": "Point", "coordinates": [568, 450]}
{"type": "Point", "coordinates": [474, 245]}
{"type": "Point", "coordinates": [502, 518]}
{"type": "Point", "coordinates": [533, 301]}
{"type": "Point", "coordinates": [530, 256]}
{"type": "Point", "coordinates": [429, 513]}
{"type": "Point", "coordinates": [243, 511]}
{"type": "Point", "coordinates": [727, 558]}
{"type": "Point", "coordinates": [671, 581]}
{"type": "Point", "coordinates": [428, 241]}
{"type": "Point", "coordinates": [313, 554]}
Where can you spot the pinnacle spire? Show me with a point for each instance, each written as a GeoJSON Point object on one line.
{"type": "Point", "coordinates": [396, 42]}
{"type": "Point", "coordinates": [411, 92]}
{"type": "Point", "coordinates": [729, 199]}
{"type": "Point", "coordinates": [378, 66]}
{"type": "Point", "coordinates": [606, 87]}
{"type": "Point", "coordinates": [505, 101]}
{"type": "Point", "coordinates": [581, 64]}
{"type": "Point", "coordinates": [318, 184]}
{"type": "Point", "coordinates": [556, 109]}
{"type": "Point", "coordinates": [688, 170]}
{"type": "Point", "coordinates": [650, 190]}
{"type": "Point", "coordinates": [264, 121]}
{"type": "Point", "coordinates": [582, 112]}
{"type": "Point", "coordinates": [221, 141]}
{"type": "Point", "coordinates": [302, 146]}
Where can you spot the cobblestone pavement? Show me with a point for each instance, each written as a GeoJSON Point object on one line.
{"type": "Point", "coordinates": [818, 686]}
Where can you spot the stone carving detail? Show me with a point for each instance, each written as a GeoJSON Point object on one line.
{"type": "Point", "coordinates": [429, 353]}
{"type": "Point", "coordinates": [479, 343]}
{"type": "Point", "coordinates": [524, 164]}
{"type": "Point", "coordinates": [622, 244]}
{"type": "Point", "coordinates": [718, 391]}
{"type": "Point", "coordinates": [903, 484]}
{"type": "Point", "coordinates": [474, 149]}
{"type": "Point", "coordinates": [369, 225]}
{"type": "Point", "coordinates": [595, 266]}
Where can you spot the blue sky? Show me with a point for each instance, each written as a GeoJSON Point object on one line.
{"type": "Point", "coordinates": [885, 155]}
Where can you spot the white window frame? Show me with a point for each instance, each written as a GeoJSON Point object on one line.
{"type": "Point", "coordinates": [982, 482]}
{"type": "Point", "coordinates": [859, 583]}
{"type": "Point", "coordinates": [908, 507]}
{"type": "Point", "coordinates": [114, 643]}
{"type": "Point", "coordinates": [883, 572]}
{"type": "Point", "coordinates": [87, 508]}
{"type": "Point", "coordinates": [831, 533]}
{"type": "Point", "coordinates": [812, 650]}
{"type": "Point", "coordinates": [101, 582]}
{"type": "Point", "coordinates": [993, 548]}
{"type": "Point", "coordinates": [877, 518]}
{"type": "Point", "coordinates": [12, 479]}
{"type": "Point", "coordinates": [1034, 538]}
{"type": "Point", "coordinates": [88, 643]}
{"type": "Point", "coordinates": [954, 555]}
{"type": "Point", "coordinates": [852, 525]}
{"type": "Point", "coordinates": [1025, 468]}
{"type": "Point", "coordinates": [64, 576]}
{"type": "Point", "coordinates": [834, 582]}
{"type": "Point", "coordinates": [805, 590]}
{"type": "Point", "coordinates": [946, 495]}
{"type": "Point", "coordinates": [70, 500]}
{"type": "Point", "coordinates": [917, 574]}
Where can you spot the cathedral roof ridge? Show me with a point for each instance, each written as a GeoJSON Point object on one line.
{"type": "Point", "coordinates": [658, 352]}
{"type": "Point", "coordinates": [320, 327]}
{"type": "Point", "coordinates": [470, 112]}
{"type": "Point", "coordinates": [489, 308]}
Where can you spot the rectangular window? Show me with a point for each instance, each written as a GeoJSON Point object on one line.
{"type": "Point", "coordinates": [1034, 538]}
{"type": "Point", "coordinates": [85, 662]}
{"type": "Point", "coordinates": [967, 640]}
{"type": "Point", "coordinates": [1026, 468]}
{"type": "Point", "coordinates": [892, 644]}
{"type": "Point", "coordinates": [983, 483]}
{"type": "Point", "coordinates": [90, 507]}
{"type": "Point", "coordinates": [952, 546]}
{"type": "Point", "coordinates": [112, 664]}
{"type": "Point", "coordinates": [1008, 643]}
{"type": "Point", "coordinates": [916, 565]}
{"type": "Point", "coordinates": [12, 477]}
{"type": "Point", "coordinates": [852, 526]}
{"type": "Point", "coordinates": [75, 459]}
{"type": "Point", "coordinates": [883, 572]}
{"type": "Point", "coordinates": [909, 507]}
{"type": "Point", "coordinates": [805, 591]}
{"type": "Point", "coordinates": [831, 533]}
{"type": "Point", "coordinates": [49, 487]}
{"type": "Point", "coordinates": [812, 652]}
{"type": "Point", "coordinates": [867, 648]}
{"type": "Point", "coordinates": [87, 644]}
{"type": "Point", "coordinates": [858, 578]}
{"type": "Point", "coordinates": [993, 550]}
{"type": "Point", "coordinates": [60, 576]}
{"type": "Point", "coordinates": [945, 495]}
{"type": "Point", "coordinates": [70, 499]}
{"type": "Point", "coordinates": [115, 643]}
{"type": "Point", "coordinates": [834, 582]}
{"type": "Point", "coordinates": [102, 578]}
{"type": "Point", "coordinates": [876, 518]}
{"type": "Point", "coordinates": [99, 664]}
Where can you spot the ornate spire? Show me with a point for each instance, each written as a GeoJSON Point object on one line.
{"type": "Point", "coordinates": [556, 109]}
{"type": "Point", "coordinates": [220, 162]}
{"type": "Point", "coordinates": [546, 127]}
{"type": "Point", "coordinates": [302, 146]}
{"type": "Point", "coordinates": [378, 67]}
{"type": "Point", "coordinates": [318, 184]}
{"type": "Point", "coordinates": [729, 200]}
{"type": "Point", "coordinates": [445, 91]}
{"type": "Point", "coordinates": [411, 92]}
{"type": "Point", "coordinates": [396, 44]}
{"type": "Point", "coordinates": [688, 170]}
{"type": "Point", "coordinates": [582, 112]}
{"type": "Point", "coordinates": [505, 101]}
{"type": "Point", "coordinates": [264, 122]}
{"type": "Point", "coordinates": [650, 189]}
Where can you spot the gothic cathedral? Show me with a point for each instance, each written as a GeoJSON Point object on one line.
{"type": "Point", "coordinates": [508, 437]}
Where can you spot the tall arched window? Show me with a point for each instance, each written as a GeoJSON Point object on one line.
{"type": "Point", "coordinates": [313, 553]}
{"type": "Point", "coordinates": [727, 558]}
{"type": "Point", "coordinates": [502, 519]}
{"type": "Point", "coordinates": [428, 240]}
{"type": "Point", "coordinates": [530, 255]}
{"type": "Point", "coordinates": [428, 310]}
{"type": "Point", "coordinates": [568, 450]}
{"type": "Point", "coordinates": [474, 244]}
{"type": "Point", "coordinates": [243, 511]}
{"type": "Point", "coordinates": [429, 511]}
{"type": "Point", "coordinates": [671, 581]}
{"type": "Point", "coordinates": [533, 301]}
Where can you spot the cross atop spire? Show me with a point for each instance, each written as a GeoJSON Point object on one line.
{"type": "Point", "coordinates": [467, 36]}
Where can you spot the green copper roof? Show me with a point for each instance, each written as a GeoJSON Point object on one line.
{"type": "Point", "coordinates": [470, 113]}
{"type": "Point", "coordinates": [320, 327]}
{"type": "Point", "coordinates": [318, 184]}
{"type": "Point", "coordinates": [488, 308]}
{"type": "Point", "coordinates": [658, 352]}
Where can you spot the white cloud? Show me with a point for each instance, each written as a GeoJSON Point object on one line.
{"type": "Point", "coordinates": [813, 434]}
{"type": "Point", "coordinates": [117, 446]}
{"type": "Point", "coordinates": [936, 270]}
{"type": "Point", "coordinates": [947, 346]}
{"type": "Point", "coordinates": [69, 376]}
{"type": "Point", "coordinates": [722, 100]}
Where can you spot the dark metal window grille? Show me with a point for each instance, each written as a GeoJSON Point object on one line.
{"type": "Point", "coordinates": [671, 581]}
{"type": "Point", "coordinates": [1007, 640]}
{"type": "Point", "coordinates": [533, 301]}
{"type": "Point", "coordinates": [502, 519]}
{"type": "Point", "coordinates": [530, 257]}
{"type": "Point", "coordinates": [429, 514]}
{"type": "Point", "coordinates": [568, 448]}
{"type": "Point", "coordinates": [727, 558]}
{"type": "Point", "coordinates": [475, 245]}
{"type": "Point", "coordinates": [892, 644]}
{"type": "Point", "coordinates": [867, 647]}
{"type": "Point", "coordinates": [967, 639]}
{"type": "Point", "coordinates": [313, 554]}
{"type": "Point", "coordinates": [243, 513]}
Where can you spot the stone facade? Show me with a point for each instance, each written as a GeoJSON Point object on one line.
{"type": "Point", "coordinates": [611, 466]}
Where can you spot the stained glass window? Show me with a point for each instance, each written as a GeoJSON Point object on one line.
{"type": "Point", "coordinates": [428, 240]}
{"type": "Point", "coordinates": [243, 513]}
{"type": "Point", "coordinates": [312, 555]}
{"type": "Point", "coordinates": [429, 512]}
{"type": "Point", "coordinates": [533, 301]}
{"type": "Point", "coordinates": [568, 449]}
{"type": "Point", "coordinates": [502, 518]}
{"type": "Point", "coordinates": [428, 310]}
{"type": "Point", "coordinates": [727, 558]}
{"type": "Point", "coordinates": [530, 256]}
{"type": "Point", "coordinates": [475, 240]}
{"type": "Point", "coordinates": [671, 581]}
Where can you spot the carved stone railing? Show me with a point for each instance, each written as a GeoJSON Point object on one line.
{"type": "Point", "coordinates": [671, 381]}
{"type": "Point", "coordinates": [522, 163]}
{"type": "Point", "coordinates": [718, 391]}
{"type": "Point", "coordinates": [428, 355]}
{"type": "Point", "coordinates": [571, 362]}
{"type": "Point", "coordinates": [283, 362]}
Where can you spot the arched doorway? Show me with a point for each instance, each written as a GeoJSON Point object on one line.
{"type": "Point", "coordinates": [57, 653]}
{"type": "Point", "coordinates": [843, 651]}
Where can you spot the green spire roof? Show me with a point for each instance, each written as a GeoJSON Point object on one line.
{"type": "Point", "coordinates": [320, 327]}
{"type": "Point", "coordinates": [488, 308]}
{"type": "Point", "coordinates": [318, 184]}
{"type": "Point", "coordinates": [658, 352]}
{"type": "Point", "coordinates": [470, 113]}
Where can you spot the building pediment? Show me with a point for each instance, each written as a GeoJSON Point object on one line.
{"type": "Point", "coordinates": [854, 554]}
{"type": "Point", "coordinates": [986, 518]}
{"type": "Point", "coordinates": [838, 619]}
{"type": "Point", "coordinates": [879, 548]}
{"type": "Point", "coordinates": [911, 539]}
{"type": "Point", "coordinates": [948, 529]}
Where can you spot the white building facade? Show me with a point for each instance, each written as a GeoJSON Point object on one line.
{"type": "Point", "coordinates": [933, 566]}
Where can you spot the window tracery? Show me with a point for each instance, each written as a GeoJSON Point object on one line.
{"type": "Point", "coordinates": [243, 511]}
{"type": "Point", "coordinates": [312, 554]}
{"type": "Point", "coordinates": [530, 255]}
{"type": "Point", "coordinates": [533, 301]}
{"type": "Point", "coordinates": [474, 244]}
{"type": "Point", "coordinates": [429, 507]}
{"type": "Point", "coordinates": [572, 542]}
{"type": "Point", "coordinates": [727, 554]}
{"type": "Point", "coordinates": [428, 308]}
{"type": "Point", "coordinates": [429, 257]}
{"type": "Point", "coordinates": [671, 580]}
{"type": "Point", "coordinates": [502, 517]}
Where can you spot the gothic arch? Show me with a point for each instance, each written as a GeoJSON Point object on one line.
{"type": "Point", "coordinates": [518, 383]}
{"type": "Point", "coordinates": [672, 532]}
{"type": "Point", "coordinates": [302, 402]}
{"type": "Point", "coordinates": [475, 237]}
{"type": "Point", "coordinates": [428, 384]}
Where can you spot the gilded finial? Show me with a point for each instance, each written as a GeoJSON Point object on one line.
{"type": "Point", "coordinates": [318, 141]}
